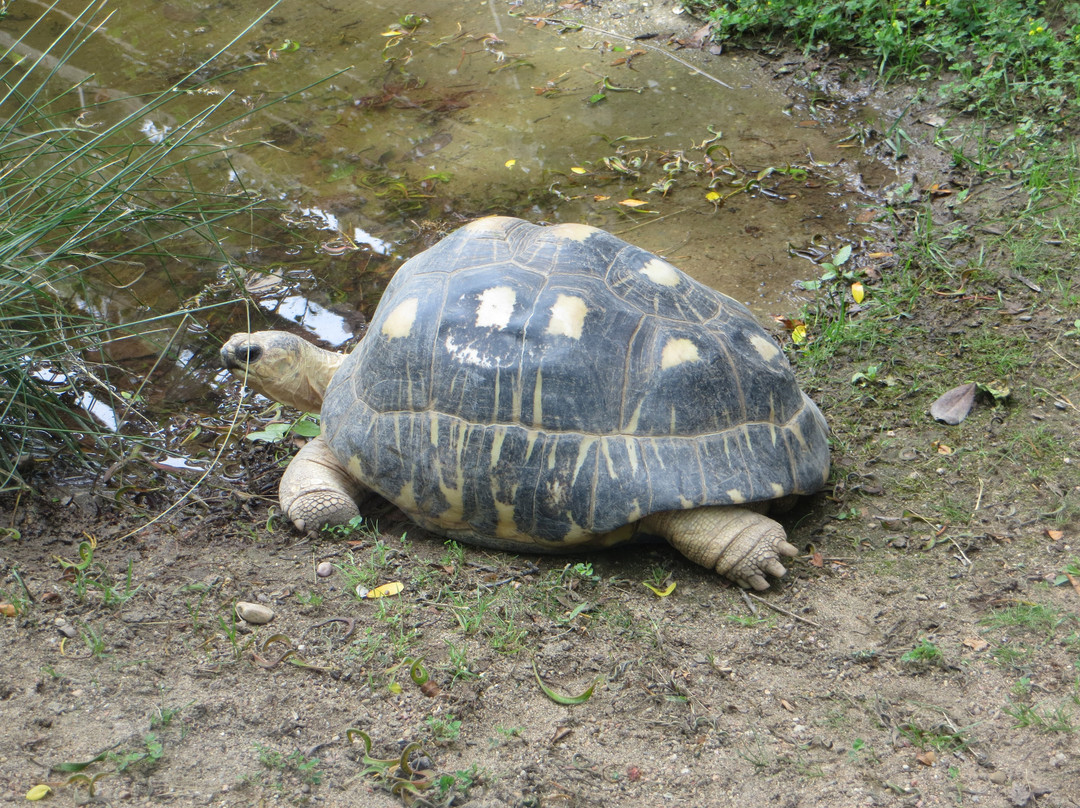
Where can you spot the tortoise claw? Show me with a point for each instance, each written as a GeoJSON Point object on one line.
{"type": "Point", "coordinates": [774, 567]}
{"type": "Point", "coordinates": [757, 582]}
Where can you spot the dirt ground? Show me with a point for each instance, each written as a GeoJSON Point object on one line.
{"type": "Point", "coordinates": [923, 651]}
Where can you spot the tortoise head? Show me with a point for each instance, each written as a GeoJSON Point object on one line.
{"type": "Point", "coordinates": [282, 366]}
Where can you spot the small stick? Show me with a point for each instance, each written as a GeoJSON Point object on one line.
{"type": "Point", "coordinates": [776, 608]}
{"type": "Point", "coordinates": [749, 603]}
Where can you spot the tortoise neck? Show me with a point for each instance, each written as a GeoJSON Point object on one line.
{"type": "Point", "coordinates": [315, 372]}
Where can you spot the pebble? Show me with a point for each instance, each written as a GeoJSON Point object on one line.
{"type": "Point", "coordinates": [998, 778]}
{"type": "Point", "coordinates": [254, 613]}
{"type": "Point", "coordinates": [325, 569]}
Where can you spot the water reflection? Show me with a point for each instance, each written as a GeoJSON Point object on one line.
{"type": "Point", "coordinates": [323, 323]}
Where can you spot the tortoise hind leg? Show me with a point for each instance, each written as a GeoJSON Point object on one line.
{"type": "Point", "coordinates": [741, 544]}
{"type": "Point", "coordinates": [317, 490]}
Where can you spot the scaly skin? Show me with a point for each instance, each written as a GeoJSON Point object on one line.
{"type": "Point", "coordinates": [317, 490]}
{"type": "Point", "coordinates": [736, 542]}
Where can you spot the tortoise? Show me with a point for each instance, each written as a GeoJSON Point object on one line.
{"type": "Point", "coordinates": [551, 388]}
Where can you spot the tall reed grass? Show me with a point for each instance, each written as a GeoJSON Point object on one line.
{"type": "Point", "coordinates": [83, 210]}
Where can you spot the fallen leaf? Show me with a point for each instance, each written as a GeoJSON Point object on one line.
{"type": "Point", "coordinates": [798, 334]}
{"type": "Point", "coordinates": [712, 196]}
{"type": "Point", "coordinates": [7, 609]}
{"type": "Point", "coordinates": [560, 733]}
{"type": "Point", "coordinates": [510, 163]}
{"type": "Point", "coordinates": [953, 407]}
{"type": "Point", "coordinates": [927, 758]}
{"type": "Point", "coordinates": [660, 593]}
{"type": "Point", "coordinates": [857, 292]}
{"type": "Point", "coordinates": [1055, 534]}
{"type": "Point", "coordinates": [578, 170]}
{"type": "Point", "coordinates": [633, 203]}
{"type": "Point", "coordinates": [787, 322]}
{"type": "Point", "coordinates": [386, 590]}
{"type": "Point", "coordinates": [817, 559]}
{"type": "Point", "coordinates": [941, 448]}
{"type": "Point", "coordinates": [976, 644]}
{"type": "Point", "coordinates": [38, 792]}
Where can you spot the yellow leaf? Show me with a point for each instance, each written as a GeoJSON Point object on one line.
{"type": "Point", "coordinates": [857, 292]}
{"type": "Point", "coordinates": [395, 688]}
{"type": "Point", "coordinates": [391, 33]}
{"type": "Point", "coordinates": [579, 170]}
{"type": "Point", "coordinates": [712, 196]}
{"type": "Point", "coordinates": [633, 203]}
{"type": "Point", "coordinates": [601, 198]}
{"type": "Point", "coordinates": [660, 593]}
{"type": "Point", "coordinates": [386, 590]}
{"type": "Point", "coordinates": [510, 163]}
{"type": "Point", "coordinates": [38, 793]}
{"type": "Point", "coordinates": [7, 609]}
{"type": "Point", "coordinates": [798, 334]}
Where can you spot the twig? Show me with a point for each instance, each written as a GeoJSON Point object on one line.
{"type": "Point", "coordinates": [776, 608]}
{"type": "Point", "coordinates": [957, 546]}
{"type": "Point", "coordinates": [637, 42]}
{"type": "Point", "coordinates": [749, 603]}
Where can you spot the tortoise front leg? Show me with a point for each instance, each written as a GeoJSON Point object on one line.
{"type": "Point", "coordinates": [317, 490]}
{"type": "Point", "coordinates": [741, 544]}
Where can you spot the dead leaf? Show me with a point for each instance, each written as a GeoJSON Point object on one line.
{"type": "Point", "coordinates": [976, 644]}
{"type": "Point", "coordinates": [1055, 534]}
{"type": "Point", "coordinates": [927, 758]}
{"type": "Point", "coordinates": [7, 609]}
{"type": "Point", "coordinates": [633, 203]}
{"type": "Point", "coordinates": [817, 559]}
{"type": "Point", "coordinates": [941, 448]}
{"type": "Point", "coordinates": [953, 407]}
{"type": "Point", "coordinates": [560, 733]}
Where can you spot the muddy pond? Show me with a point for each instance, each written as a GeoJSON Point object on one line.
{"type": "Point", "coordinates": [395, 127]}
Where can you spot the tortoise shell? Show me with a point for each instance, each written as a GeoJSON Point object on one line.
{"type": "Point", "coordinates": [545, 386]}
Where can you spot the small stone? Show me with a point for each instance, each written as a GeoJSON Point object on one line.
{"type": "Point", "coordinates": [998, 778]}
{"type": "Point", "coordinates": [254, 613]}
{"type": "Point", "coordinates": [325, 569]}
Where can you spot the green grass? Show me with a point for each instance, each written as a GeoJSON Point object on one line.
{"type": "Point", "coordinates": [1006, 57]}
{"type": "Point", "coordinates": [1033, 617]}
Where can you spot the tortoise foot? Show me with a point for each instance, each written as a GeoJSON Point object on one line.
{"type": "Point", "coordinates": [316, 489]}
{"type": "Point", "coordinates": [740, 544]}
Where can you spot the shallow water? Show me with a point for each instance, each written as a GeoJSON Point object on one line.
{"type": "Point", "coordinates": [480, 108]}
